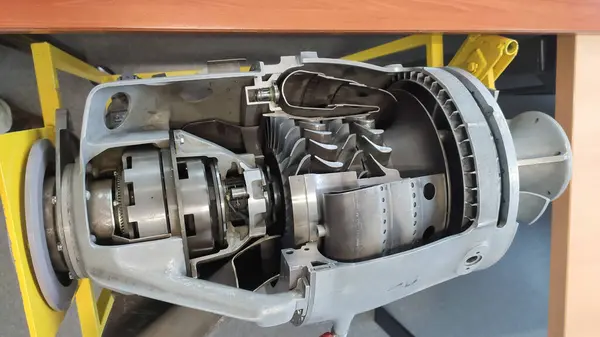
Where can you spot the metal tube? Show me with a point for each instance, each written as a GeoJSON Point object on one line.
{"type": "Point", "coordinates": [238, 193]}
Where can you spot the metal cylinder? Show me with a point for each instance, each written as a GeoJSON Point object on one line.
{"type": "Point", "coordinates": [196, 207]}
{"type": "Point", "coordinates": [544, 159]}
{"type": "Point", "coordinates": [52, 239]}
{"type": "Point", "coordinates": [100, 209]}
{"type": "Point", "coordinates": [356, 224]}
{"type": "Point", "coordinates": [238, 193]}
{"type": "Point", "coordinates": [146, 212]}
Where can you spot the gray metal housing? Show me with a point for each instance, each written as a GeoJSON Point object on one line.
{"type": "Point", "coordinates": [320, 289]}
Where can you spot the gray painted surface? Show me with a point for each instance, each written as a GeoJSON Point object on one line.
{"type": "Point", "coordinates": [509, 299]}
{"type": "Point", "coordinates": [362, 326]}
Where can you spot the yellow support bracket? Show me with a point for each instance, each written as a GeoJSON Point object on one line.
{"type": "Point", "coordinates": [47, 60]}
{"type": "Point", "coordinates": [433, 43]}
{"type": "Point", "coordinates": [486, 56]}
{"type": "Point", "coordinates": [41, 319]}
{"type": "Point", "coordinates": [93, 319]}
{"type": "Point", "coordinates": [112, 78]}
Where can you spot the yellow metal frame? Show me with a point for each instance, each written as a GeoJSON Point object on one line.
{"type": "Point", "coordinates": [485, 56]}
{"type": "Point", "coordinates": [47, 61]}
{"type": "Point", "coordinates": [93, 311]}
{"type": "Point", "coordinates": [433, 43]}
{"type": "Point", "coordinates": [41, 319]}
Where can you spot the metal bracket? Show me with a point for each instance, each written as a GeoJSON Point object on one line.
{"type": "Point", "coordinates": [485, 56]}
{"type": "Point", "coordinates": [433, 43]}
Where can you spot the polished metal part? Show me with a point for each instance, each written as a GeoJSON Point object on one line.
{"type": "Point", "coordinates": [66, 228]}
{"type": "Point", "coordinates": [101, 209]}
{"type": "Point", "coordinates": [219, 200]}
{"type": "Point", "coordinates": [54, 246]}
{"type": "Point", "coordinates": [238, 193]}
{"type": "Point", "coordinates": [472, 143]}
{"type": "Point", "coordinates": [257, 201]}
{"type": "Point", "coordinates": [544, 159]}
{"type": "Point", "coordinates": [326, 146]}
{"type": "Point", "coordinates": [146, 214]}
{"type": "Point", "coordinates": [309, 94]}
{"type": "Point", "coordinates": [194, 194]}
{"type": "Point", "coordinates": [307, 200]}
{"type": "Point", "coordinates": [171, 199]}
{"type": "Point", "coordinates": [377, 220]}
{"type": "Point", "coordinates": [357, 223]}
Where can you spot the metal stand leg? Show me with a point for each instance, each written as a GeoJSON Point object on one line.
{"type": "Point", "coordinates": [390, 325]}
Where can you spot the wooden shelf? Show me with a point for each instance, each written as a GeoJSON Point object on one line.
{"type": "Point", "coordinates": [575, 271]}
{"type": "Point", "coordinates": [301, 16]}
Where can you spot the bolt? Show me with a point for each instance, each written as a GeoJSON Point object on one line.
{"type": "Point", "coordinates": [472, 67]}
{"type": "Point", "coordinates": [88, 168]}
{"type": "Point", "coordinates": [93, 238]}
{"type": "Point", "coordinates": [88, 195]}
{"type": "Point", "coordinates": [59, 247]}
{"type": "Point", "coordinates": [53, 200]}
{"type": "Point", "coordinates": [71, 276]}
{"type": "Point", "coordinates": [267, 94]}
{"type": "Point", "coordinates": [115, 203]}
{"type": "Point", "coordinates": [181, 140]}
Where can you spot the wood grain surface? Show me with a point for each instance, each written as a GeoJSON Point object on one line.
{"type": "Point", "coordinates": [301, 15]}
{"type": "Point", "coordinates": [574, 298]}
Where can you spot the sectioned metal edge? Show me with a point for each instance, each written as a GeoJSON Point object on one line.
{"type": "Point", "coordinates": [121, 267]}
{"type": "Point", "coordinates": [507, 156]}
{"type": "Point", "coordinates": [490, 241]}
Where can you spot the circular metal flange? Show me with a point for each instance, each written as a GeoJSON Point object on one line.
{"type": "Point", "coordinates": [477, 170]}
{"type": "Point", "coordinates": [64, 222]}
{"type": "Point", "coordinates": [220, 203]}
{"type": "Point", "coordinates": [502, 137]}
{"type": "Point", "coordinates": [57, 295]}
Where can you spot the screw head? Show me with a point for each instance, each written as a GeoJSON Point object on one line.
{"type": "Point", "coordinates": [59, 247]}
{"type": "Point", "coordinates": [181, 140]}
{"type": "Point", "coordinates": [53, 200]}
{"type": "Point", "coordinates": [71, 277]}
